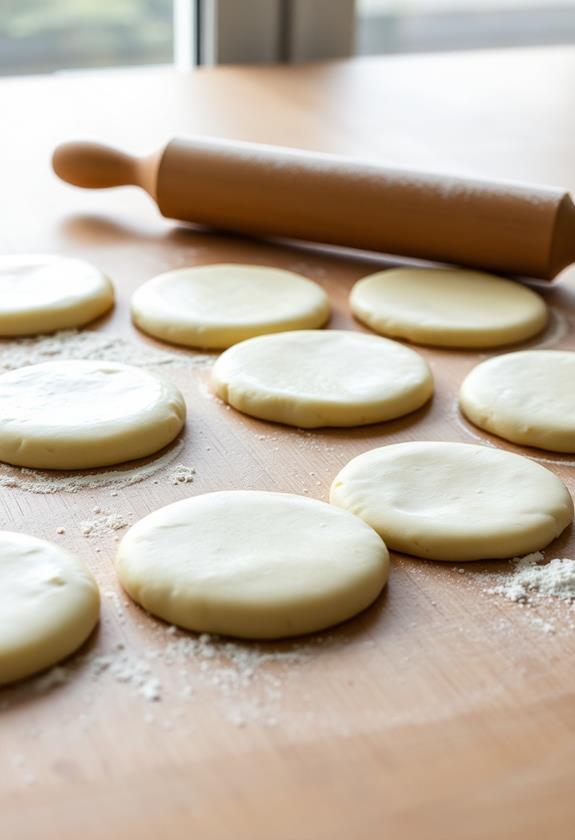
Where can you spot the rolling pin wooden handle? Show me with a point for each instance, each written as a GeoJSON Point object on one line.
{"type": "Point", "coordinates": [97, 166]}
{"type": "Point", "coordinates": [270, 191]}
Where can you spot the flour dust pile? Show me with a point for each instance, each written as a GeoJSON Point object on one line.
{"type": "Point", "coordinates": [61, 481]}
{"type": "Point", "coordinates": [90, 345]}
{"type": "Point", "coordinates": [545, 587]}
{"type": "Point", "coordinates": [531, 581]}
{"type": "Point", "coordinates": [247, 679]}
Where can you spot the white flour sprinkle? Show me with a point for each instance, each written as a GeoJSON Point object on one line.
{"type": "Point", "coordinates": [123, 668]}
{"type": "Point", "coordinates": [181, 474]}
{"type": "Point", "coordinates": [55, 676]}
{"type": "Point", "coordinates": [545, 626]}
{"type": "Point", "coordinates": [87, 344]}
{"type": "Point", "coordinates": [236, 663]}
{"type": "Point", "coordinates": [52, 481]}
{"type": "Point", "coordinates": [115, 600]}
{"type": "Point", "coordinates": [247, 678]}
{"type": "Point", "coordinates": [532, 581]}
{"type": "Point", "coordinates": [106, 523]}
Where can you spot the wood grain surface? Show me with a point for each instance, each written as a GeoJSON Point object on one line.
{"type": "Point", "coordinates": [443, 711]}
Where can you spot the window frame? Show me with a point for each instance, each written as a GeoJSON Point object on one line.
{"type": "Point", "coordinates": [280, 31]}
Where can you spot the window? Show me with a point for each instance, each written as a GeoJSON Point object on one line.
{"type": "Point", "coordinates": [39, 36]}
{"type": "Point", "coordinates": [392, 26]}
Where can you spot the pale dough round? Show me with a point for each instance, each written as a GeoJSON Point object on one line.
{"type": "Point", "coordinates": [49, 605]}
{"type": "Point", "coordinates": [333, 378]}
{"type": "Point", "coordinates": [44, 293]}
{"type": "Point", "coordinates": [252, 564]}
{"type": "Point", "coordinates": [454, 501]}
{"type": "Point", "coordinates": [448, 307]}
{"type": "Point", "coordinates": [215, 306]}
{"type": "Point", "coordinates": [526, 397]}
{"type": "Point", "coordinates": [77, 414]}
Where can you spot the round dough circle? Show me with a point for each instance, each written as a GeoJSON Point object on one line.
{"type": "Point", "coordinates": [454, 501]}
{"type": "Point", "coordinates": [526, 397]}
{"type": "Point", "coordinates": [333, 378]}
{"type": "Point", "coordinates": [49, 605]}
{"type": "Point", "coordinates": [215, 306]}
{"type": "Point", "coordinates": [448, 307]}
{"type": "Point", "coordinates": [78, 415]}
{"type": "Point", "coordinates": [252, 564]}
{"type": "Point", "coordinates": [44, 293]}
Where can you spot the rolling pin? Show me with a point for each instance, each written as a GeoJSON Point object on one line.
{"type": "Point", "coordinates": [271, 191]}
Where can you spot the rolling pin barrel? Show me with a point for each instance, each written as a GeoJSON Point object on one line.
{"type": "Point", "coordinates": [269, 191]}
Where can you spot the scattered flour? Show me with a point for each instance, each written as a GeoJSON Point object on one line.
{"type": "Point", "coordinates": [104, 524]}
{"type": "Point", "coordinates": [87, 344]}
{"type": "Point", "coordinates": [532, 581]}
{"type": "Point", "coordinates": [235, 664]}
{"type": "Point", "coordinates": [545, 626]}
{"type": "Point", "coordinates": [547, 588]}
{"type": "Point", "coordinates": [181, 474]}
{"type": "Point", "coordinates": [115, 599]}
{"type": "Point", "coordinates": [248, 678]}
{"type": "Point", "coordinates": [123, 668]}
{"type": "Point", "coordinates": [62, 481]}
{"type": "Point", "coordinates": [55, 676]}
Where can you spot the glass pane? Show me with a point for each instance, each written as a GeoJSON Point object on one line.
{"type": "Point", "coordinates": [392, 26]}
{"type": "Point", "coordinates": [39, 36]}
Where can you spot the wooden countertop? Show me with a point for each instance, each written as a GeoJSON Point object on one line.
{"type": "Point", "coordinates": [443, 711]}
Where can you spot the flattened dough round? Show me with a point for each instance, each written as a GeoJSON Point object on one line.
{"type": "Point", "coordinates": [215, 306]}
{"type": "Point", "coordinates": [332, 378]}
{"type": "Point", "coordinates": [252, 564]}
{"type": "Point", "coordinates": [76, 415]}
{"type": "Point", "coordinates": [526, 397]}
{"type": "Point", "coordinates": [454, 501]}
{"type": "Point", "coordinates": [49, 605]}
{"type": "Point", "coordinates": [448, 307]}
{"type": "Point", "coordinates": [44, 293]}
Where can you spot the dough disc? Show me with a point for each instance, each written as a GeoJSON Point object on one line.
{"type": "Point", "coordinates": [76, 415]}
{"type": "Point", "coordinates": [448, 307]}
{"type": "Point", "coordinates": [252, 564]}
{"type": "Point", "coordinates": [42, 293]}
{"type": "Point", "coordinates": [49, 605]}
{"type": "Point", "coordinates": [333, 378]}
{"type": "Point", "coordinates": [454, 501]}
{"type": "Point", "coordinates": [215, 306]}
{"type": "Point", "coordinates": [526, 397]}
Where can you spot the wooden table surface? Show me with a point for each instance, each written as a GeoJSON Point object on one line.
{"type": "Point", "coordinates": [443, 711]}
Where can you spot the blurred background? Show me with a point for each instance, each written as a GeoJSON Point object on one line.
{"type": "Point", "coordinates": [440, 25]}
{"type": "Point", "coordinates": [40, 36]}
